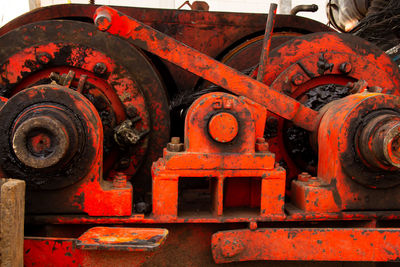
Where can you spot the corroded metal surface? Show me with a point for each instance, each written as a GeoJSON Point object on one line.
{"type": "Point", "coordinates": [120, 82]}
{"type": "Point", "coordinates": [232, 165]}
{"type": "Point", "coordinates": [122, 239]}
{"type": "Point", "coordinates": [141, 35]}
{"type": "Point", "coordinates": [323, 244]}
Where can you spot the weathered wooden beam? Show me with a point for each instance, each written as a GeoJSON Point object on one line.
{"type": "Point", "coordinates": [12, 203]}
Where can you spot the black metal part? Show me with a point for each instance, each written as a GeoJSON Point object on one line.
{"type": "Point", "coordinates": [297, 140]}
{"type": "Point", "coordinates": [324, 65]}
{"type": "Point", "coordinates": [80, 155]}
{"type": "Point", "coordinates": [353, 163]}
{"type": "Point", "coordinates": [381, 24]}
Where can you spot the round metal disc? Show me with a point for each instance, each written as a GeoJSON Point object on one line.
{"type": "Point", "coordinates": [122, 84]}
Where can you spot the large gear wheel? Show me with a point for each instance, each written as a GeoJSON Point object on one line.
{"type": "Point", "coordinates": [316, 75]}
{"type": "Point", "coordinates": [116, 77]}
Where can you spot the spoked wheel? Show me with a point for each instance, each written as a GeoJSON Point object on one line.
{"type": "Point", "coordinates": [117, 78]}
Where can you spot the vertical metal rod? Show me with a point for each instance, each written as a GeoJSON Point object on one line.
{"type": "Point", "coordinates": [267, 42]}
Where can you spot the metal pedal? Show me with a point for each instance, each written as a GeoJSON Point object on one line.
{"type": "Point", "coordinates": [122, 239]}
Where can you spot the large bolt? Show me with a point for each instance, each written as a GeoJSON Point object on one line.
{"type": "Point", "coordinates": [175, 145]}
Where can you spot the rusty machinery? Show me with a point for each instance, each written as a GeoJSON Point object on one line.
{"type": "Point", "coordinates": [290, 140]}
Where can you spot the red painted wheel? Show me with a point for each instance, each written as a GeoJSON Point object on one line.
{"type": "Point", "coordinates": [247, 54]}
{"type": "Point", "coordinates": [120, 82]}
{"type": "Point", "coordinates": [315, 70]}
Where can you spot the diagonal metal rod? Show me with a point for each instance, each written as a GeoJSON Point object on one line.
{"type": "Point", "coordinates": [149, 39]}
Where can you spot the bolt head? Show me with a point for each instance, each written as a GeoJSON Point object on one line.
{"type": "Point", "coordinates": [345, 68]}
{"type": "Point", "coordinates": [43, 58]}
{"type": "Point", "coordinates": [262, 147]}
{"type": "Point", "coordinates": [298, 79]}
{"type": "Point", "coordinates": [175, 145]}
{"type": "Point", "coordinates": [175, 140]}
{"type": "Point", "coordinates": [304, 177]}
{"type": "Point", "coordinates": [131, 111]}
{"type": "Point", "coordinates": [100, 68]}
{"type": "Point", "coordinates": [103, 21]}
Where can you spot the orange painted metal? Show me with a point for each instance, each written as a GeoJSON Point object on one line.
{"type": "Point", "coordinates": [320, 244]}
{"type": "Point", "coordinates": [212, 33]}
{"type": "Point", "coordinates": [346, 181]}
{"type": "Point", "coordinates": [223, 127]}
{"type": "Point", "coordinates": [63, 252]}
{"type": "Point", "coordinates": [145, 37]}
{"type": "Point", "coordinates": [122, 238]}
{"type": "Point", "coordinates": [205, 157]}
{"type": "Point", "coordinates": [292, 214]}
{"type": "Point", "coordinates": [357, 139]}
{"type": "Point", "coordinates": [88, 192]}
{"type": "Point", "coordinates": [293, 69]}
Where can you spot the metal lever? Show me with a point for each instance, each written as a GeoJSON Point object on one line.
{"type": "Point", "coordinates": [269, 28]}
{"type": "Point", "coordinates": [147, 38]}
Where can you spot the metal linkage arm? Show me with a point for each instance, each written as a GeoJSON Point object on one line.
{"type": "Point", "coordinates": [147, 38]}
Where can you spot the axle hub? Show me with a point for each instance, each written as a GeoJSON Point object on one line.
{"type": "Point", "coordinates": [44, 136]}
{"type": "Point", "coordinates": [379, 141]}
{"type": "Point", "coordinates": [49, 136]}
{"type": "Point", "coordinates": [223, 127]}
